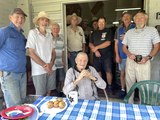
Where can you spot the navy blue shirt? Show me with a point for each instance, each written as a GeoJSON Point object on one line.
{"type": "Point", "coordinates": [100, 36]}
{"type": "Point", "coordinates": [120, 31]}
{"type": "Point", "coordinates": [12, 50]}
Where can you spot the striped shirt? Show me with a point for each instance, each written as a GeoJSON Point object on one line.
{"type": "Point", "coordinates": [141, 41]}
{"type": "Point", "coordinates": [59, 48]}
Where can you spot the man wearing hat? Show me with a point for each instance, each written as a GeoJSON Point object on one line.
{"type": "Point", "coordinates": [42, 53]}
{"type": "Point", "coordinates": [75, 38]}
{"type": "Point", "coordinates": [13, 59]}
{"type": "Point", "coordinates": [120, 55]}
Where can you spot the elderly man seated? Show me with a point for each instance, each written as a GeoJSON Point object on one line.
{"type": "Point", "coordinates": [83, 78]}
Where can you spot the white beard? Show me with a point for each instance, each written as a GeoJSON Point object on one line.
{"type": "Point", "coordinates": [140, 26]}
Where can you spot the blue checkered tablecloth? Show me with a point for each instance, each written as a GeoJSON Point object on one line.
{"type": "Point", "coordinates": [101, 110]}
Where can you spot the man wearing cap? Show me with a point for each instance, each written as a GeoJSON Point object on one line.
{"type": "Point", "coordinates": [13, 59]}
{"type": "Point", "coordinates": [75, 38]}
{"type": "Point", "coordinates": [42, 53]}
{"type": "Point", "coordinates": [120, 55]}
{"type": "Point", "coordinates": [140, 44]}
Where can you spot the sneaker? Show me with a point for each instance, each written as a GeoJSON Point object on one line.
{"type": "Point", "coordinates": [122, 94]}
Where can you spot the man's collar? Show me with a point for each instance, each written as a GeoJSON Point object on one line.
{"type": "Point", "coordinates": [14, 27]}
{"type": "Point", "coordinates": [40, 33]}
{"type": "Point", "coordinates": [141, 28]}
{"type": "Point", "coordinates": [76, 27]}
{"type": "Point", "coordinates": [54, 36]}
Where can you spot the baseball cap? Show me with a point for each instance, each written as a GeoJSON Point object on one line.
{"type": "Point", "coordinates": [125, 12]}
{"type": "Point", "coordinates": [18, 11]}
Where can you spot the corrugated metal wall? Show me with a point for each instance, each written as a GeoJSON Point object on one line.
{"type": "Point", "coordinates": [5, 8]}
{"type": "Point", "coordinates": [53, 7]}
{"type": "Point", "coordinates": [55, 10]}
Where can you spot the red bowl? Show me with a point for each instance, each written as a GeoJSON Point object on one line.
{"type": "Point", "coordinates": [17, 112]}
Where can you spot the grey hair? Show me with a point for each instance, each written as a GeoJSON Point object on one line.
{"type": "Point", "coordinates": [81, 54]}
{"type": "Point", "coordinates": [146, 16]}
{"type": "Point", "coordinates": [55, 24]}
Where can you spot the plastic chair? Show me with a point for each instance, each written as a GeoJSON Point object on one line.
{"type": "Point", "coordinates": [149, 92]}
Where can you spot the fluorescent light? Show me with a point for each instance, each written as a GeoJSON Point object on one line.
{"type": "Point", "coordinates": [115, 23]}
{"type": "Point", "coordinates": [126, 9]}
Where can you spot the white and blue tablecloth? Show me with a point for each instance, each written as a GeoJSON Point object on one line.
{"type": "Point", "coordinates": [101, 110]}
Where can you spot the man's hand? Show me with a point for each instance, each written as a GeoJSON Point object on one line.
{"type": "Point", "coordinates": [84, 73]}
{"type": "Point", "coordinates": [132, 56]}
{"type": "Point", "coordinates": [94, 49]}
{"type": "Point", "coordinates": [118, 59]}
{"type": "Point", "coordinates": [90, 76]}
{"type": "Point", "coordinates": [48, 68]}
{"type": "Point", "coordinates": [144, 60]}
{"type": "Point", "coordinates": [97, 54]}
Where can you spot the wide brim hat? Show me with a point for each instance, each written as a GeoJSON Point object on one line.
{"type": "Point", "coordinates": [41, 14]}
{"type": "Point", "coordinates": [70, 16]}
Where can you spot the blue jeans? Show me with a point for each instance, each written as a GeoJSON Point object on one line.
{"type": "Point", "coordinates": [122, 65]}
{"type": "Point", "coordinates": [14, 88]}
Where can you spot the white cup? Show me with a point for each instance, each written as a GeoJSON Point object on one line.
{"type": "Point", "coordinates": [73, 97]}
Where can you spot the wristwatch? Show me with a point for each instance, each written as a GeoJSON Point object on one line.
{"type": "Point", "coordinates": [150, 57]}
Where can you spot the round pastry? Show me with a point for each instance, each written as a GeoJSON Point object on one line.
{"type": "Point", "coordinates": [59, 99]}
{"type": "Point", "coordinates": [62, 104]}
{"type": "Point", "coordinates": [50, 104]}
{"type": "Point", "coordinates": [56, 104]}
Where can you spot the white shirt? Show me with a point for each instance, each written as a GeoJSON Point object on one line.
{"type": "Point", "coordinates": [141, 41]}
{"type": "Point", "coordinates": [43, 46]}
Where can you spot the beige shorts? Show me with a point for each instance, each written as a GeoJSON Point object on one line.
{"type": "Point", "coordinates": [44, 83]}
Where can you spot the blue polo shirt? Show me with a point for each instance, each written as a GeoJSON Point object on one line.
{"type": "Point", "coordinates": [120, 31]}
{"type": "Point", "coordinates": [12, 49]}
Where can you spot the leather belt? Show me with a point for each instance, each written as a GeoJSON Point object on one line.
{"type": "Point", "coordinates": [76, 51]}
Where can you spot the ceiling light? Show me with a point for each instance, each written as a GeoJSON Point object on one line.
{"type": "Point", "coordinates": [126, 9]}
{"type": "Point", "coordinates": [115, 23]}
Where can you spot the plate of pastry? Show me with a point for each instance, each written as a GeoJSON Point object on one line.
{"type": "Point", "coordinates": [54, 106]}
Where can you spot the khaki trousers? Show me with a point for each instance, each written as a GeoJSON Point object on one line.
{"type": "Point", "coordinates": [136, 72]}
